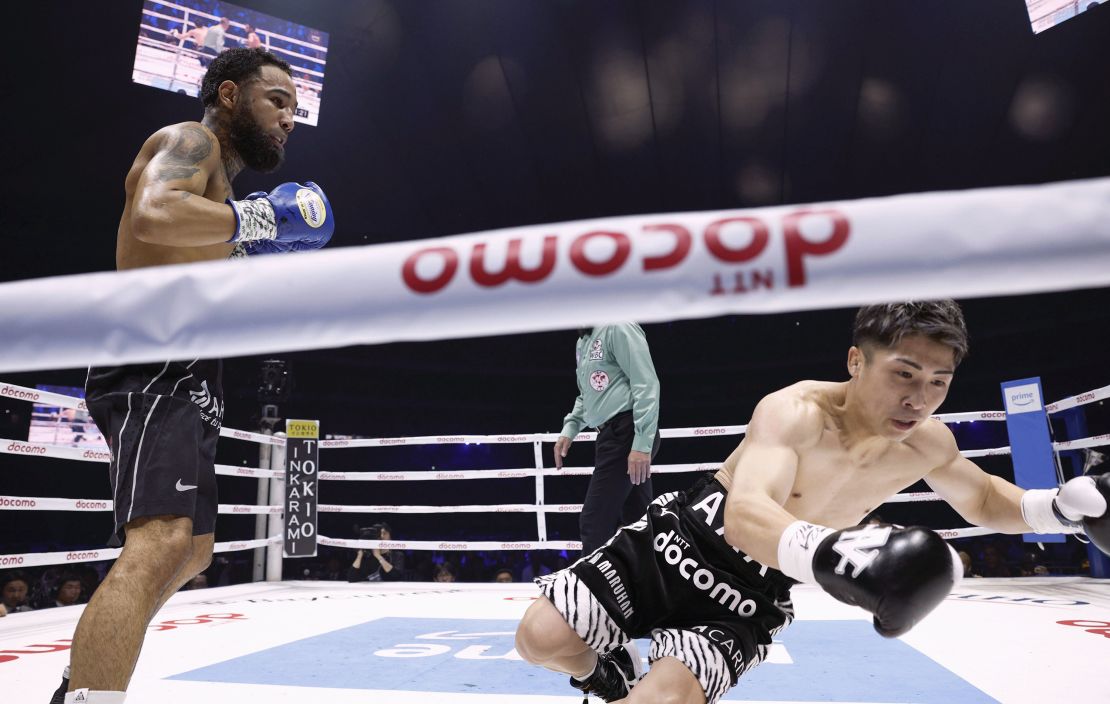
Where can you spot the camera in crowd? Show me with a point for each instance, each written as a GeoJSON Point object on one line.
{"type": "Point", "coordinates": [373, 532]}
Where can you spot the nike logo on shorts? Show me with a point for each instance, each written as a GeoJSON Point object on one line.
{"type": "Point", "coordinates": [184, 487]}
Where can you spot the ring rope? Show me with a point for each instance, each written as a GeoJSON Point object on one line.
{"type": "Point", "coordinates": [95, 454]}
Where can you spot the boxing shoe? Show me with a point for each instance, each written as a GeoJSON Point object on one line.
{"type": "Point", "coordinates": [616, 673]}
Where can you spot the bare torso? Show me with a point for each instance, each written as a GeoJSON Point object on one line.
{"type": "Point", "coordinates": [133, 253]}
{"type": "Point", "coordinates": [840, 479]}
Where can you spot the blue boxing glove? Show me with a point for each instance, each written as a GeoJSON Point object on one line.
{"type": "Point", "coordinates": [898, 574]}
{"type": "Point", "coordinates": [292, 217]}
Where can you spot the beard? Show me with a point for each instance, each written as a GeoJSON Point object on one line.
{"type": "Point", "coordinates": [252, 144]}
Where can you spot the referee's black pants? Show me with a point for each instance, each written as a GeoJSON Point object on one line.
{"type": "Point", "coordinates": [611, 499]}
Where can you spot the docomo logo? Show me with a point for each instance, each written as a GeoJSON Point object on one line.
{"type": "Point", "coordinates": [512, 438]}
{"type": "Point", "coordinates": [103, 455]}
{"type": "Point", "coordinates": [506, 474]}
{"type": "Point", "coordinates": [710, 431]}
{"type": "Point", "coordinates": [516, 546]}
{"type": "Point", "coordinates": [82, 556]}
{"type": "Point", "coordinates": [21, 394]}
{"type": "Point", "coordinates": [236, 546]}
{"type": "Point", "coordinates": [1089, 396]}
{"type": "Point", "coordinates": [5, 502]}
{"type": "Point", "coordinates": [24, 448]}
{"type": "Point", "coordinates": [990, 415]}
{"type": "Point", "coordinates": [391, 477]}
{"type": "Point", "coordinates": [796, 247]}
{"type": "Point", "coordinates": [451, 546]}
{"type": "Point", "coordinates": [11, 560]}
{"type": "Point", "coordinates": [952, 533]}
{"type": "Point", "coordinates": [450, 475]}
{"type": "Point", "coordinates": [334, 443]}
{"type": "Point", "coordinates": [92, 505]}
{"type": "Point", "coordinates": [240, 435]}
{"type": "Point", "coordinates": [240, 509]}
{"type": "Point", "coordinates": [392, 441]}
{"type": "Point", "coordinates": [456, 438]}
{"type": "Point", "coordinates": [703, 579]}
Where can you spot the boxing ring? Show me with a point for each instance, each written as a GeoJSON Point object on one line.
{"type": "Point", "coordinates": [338, 642]}
{"type": "Point", "coordinates": [992, 640]}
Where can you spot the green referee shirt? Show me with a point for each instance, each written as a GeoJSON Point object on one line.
{"type": "Point", "coordinates": [615, 374]}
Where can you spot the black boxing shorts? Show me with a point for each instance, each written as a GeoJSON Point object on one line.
{"type": "Point", "coordinates": [161, 422]}
{"type": "Point", "coordinates": [672, 577]}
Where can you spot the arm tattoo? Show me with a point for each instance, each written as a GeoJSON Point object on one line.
{"type": "Point", "coordinates": [190, 147]}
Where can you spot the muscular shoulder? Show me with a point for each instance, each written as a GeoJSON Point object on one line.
{"type": "Point", "coordinates": [935, 442]}
{"type": "Point", "coordinates": [792, 416]}
{"type": "Point", "coordinates": [190, 142]}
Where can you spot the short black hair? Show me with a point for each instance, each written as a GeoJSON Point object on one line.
{"type": "Point", "coordinates": [885, 325]}
{"type": "Point", "coordinates": [238, 65]}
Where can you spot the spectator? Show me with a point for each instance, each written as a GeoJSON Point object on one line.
{"type": "Point", "coordinates": [444, 573]}
{"type": "Point", "coordinates": [67, 592]}
{"type": "Point", "coordinates": [198, 582]}
{"type": "Point", "coordinates": [333, 570]}
{"type": "Point", "coordinates": [966, 559]}
{"type": "Point", "coordinates": [14, 588]}
{"type": "Point", "coordinates": [993, 564]}
{"type": "Point", "coordinates": [503, 575]}
{"type": "Point", "coordinates": [534, 568]}
{"type": "Point", "coordinates": [387, 566]}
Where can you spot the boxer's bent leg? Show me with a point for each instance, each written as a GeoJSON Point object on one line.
{"type": "Point", "coordinates": [111, 630]}
{"type": "Point", "coordinates": [566, 628]}
{"type": "Point", "coordinates": [544, 638]}
{"type": "Point", "coordinates": [668, 681]}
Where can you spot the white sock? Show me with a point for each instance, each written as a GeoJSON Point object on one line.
{"type": "Point", "coordinates": [65, 673]}
{"type": "Point", "coordinates": [582, 678]}
{"type": "Point", "coordinates": [94, 696]}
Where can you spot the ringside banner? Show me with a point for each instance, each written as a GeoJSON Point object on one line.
{"type": "Point", "coordinates": [302, 479]}
{"type": "Point", "coordinates": [646, 268]}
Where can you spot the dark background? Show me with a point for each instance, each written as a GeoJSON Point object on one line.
{"type": "Point", "coordinates": [449, 117]}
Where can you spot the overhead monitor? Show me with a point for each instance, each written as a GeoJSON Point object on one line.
{"type": "Point", "coordinates": [177, 41]}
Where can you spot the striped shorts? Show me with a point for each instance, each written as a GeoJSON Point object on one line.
{"type": "Point", "coordinates": [671, 577]}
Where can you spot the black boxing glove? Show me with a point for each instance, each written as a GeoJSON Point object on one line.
{"type": "Point", "coordinates": [1080, 502]}
{"type": "Point", "coordinates": [897, 574]}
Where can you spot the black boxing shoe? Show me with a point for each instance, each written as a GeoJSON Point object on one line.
{"type": "Point", "coordinates": [616, 672]}
{"type": "Point", "coordinates": [60, 695]}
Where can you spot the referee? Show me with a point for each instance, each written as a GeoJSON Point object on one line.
{"type": "Point", "coordinates": [618, 393]}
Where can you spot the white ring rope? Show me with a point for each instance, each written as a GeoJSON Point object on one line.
{"type": "Point", "coordinates": [100, 454]}
{"type": "Point", "coordinates": [648, 268]}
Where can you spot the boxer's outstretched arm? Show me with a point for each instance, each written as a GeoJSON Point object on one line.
{"type": "Point", "coordinates": [754, 515]}
{"type": "Point", "coordinates": [980, 498]}
{"type": "Point", "coordinates": [169, 207]}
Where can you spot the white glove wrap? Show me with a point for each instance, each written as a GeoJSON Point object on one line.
{"type": "Point", "coordinates": [254, 220]}
{"type": "Point", "coordinates": [1037, 510]}
{"type": "Point", "coordinates": [796, 548]}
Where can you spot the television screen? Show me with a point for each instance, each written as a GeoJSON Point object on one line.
{"type": "Point", "coordinates": [1045, 14]}
{"type": "Point", "coordinates": [177, 41]}
{"type": "Point", "coordinates": [58, 425]}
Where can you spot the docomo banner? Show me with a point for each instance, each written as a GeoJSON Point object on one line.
{"type": "Point", "coordinates": [42, 398]}
{"type": "Point", "coordinates": [75, 556]}
{"type": "Point", "coordinates": [646, 268]}
{"type": "Point", "coordinates": [450, 545]}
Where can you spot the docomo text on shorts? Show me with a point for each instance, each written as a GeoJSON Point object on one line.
{"type": "Point", "coordinates": [796, 248]}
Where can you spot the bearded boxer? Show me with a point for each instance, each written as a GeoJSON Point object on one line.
{"type": "Point", "coordinates": [162, 420]}
{"type": "Point", "coordinates": [706, 573]}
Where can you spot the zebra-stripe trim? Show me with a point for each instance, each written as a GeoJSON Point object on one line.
{"type": "Point", "coordinates": [700, 656]}
{"type": "Point", "coordinates": [582, 611]}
